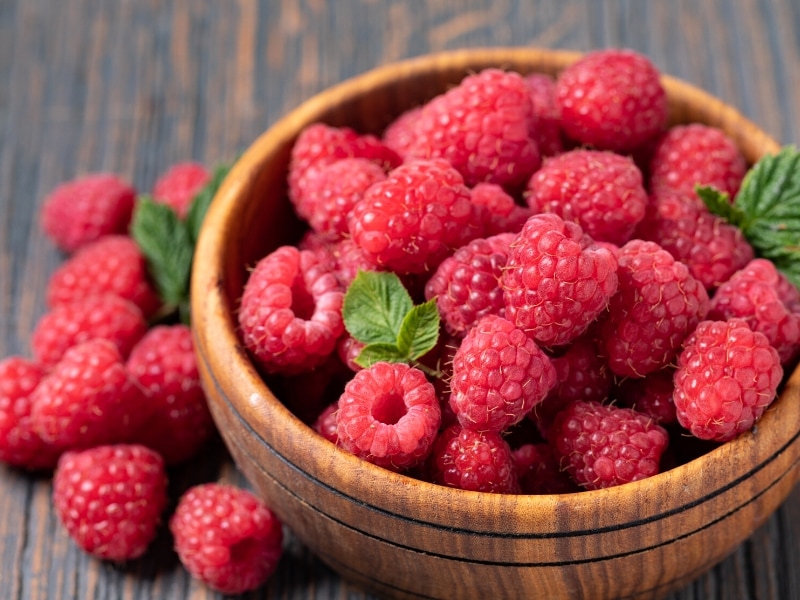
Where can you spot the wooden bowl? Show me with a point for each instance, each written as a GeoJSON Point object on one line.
{"type": "Point", "coordinates": [404, 538]}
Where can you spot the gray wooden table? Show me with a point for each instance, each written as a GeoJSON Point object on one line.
{"type": "Point", "coordinates": [132, 86]}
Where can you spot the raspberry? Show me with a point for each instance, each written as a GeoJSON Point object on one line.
{"type": "Point", "coordinates": [603, 446]}
{"type": "Point", "coordinates": [306, 395]}
{"type": "Point", "coordinates": [348, 350]}
{"type": "Point", "coordinates": [226, 537]}
{"type": "Point", "coordinates": [539, 471]}
{"type": "Point", "coordinates": [88, 399]}
{"type": "Point", "coordinates": [399, 134]}
{"type": "Point", "coordinates": [473, 460]}
{"type": "Point", "coordinates": [752, 294]}
{"type": "Point", "coordinates": [319, 145]}
{"type": "Point", "coordinates": [712, 248]}
{"type": "Point", "coordinates": [583, 372]}
{"type": "Point", "coordinates": [389, 415]}
{"type": "Point", "coordinates": [481, 127]}
{"type": "Point", "coordinates": [601, 191]}
{"type": "Point", "coordinates": [651, 395]}
{"type": "Point", "coordinates": [556, 282]}
{"type": "Point", "coordinates": [164, 365]}
{"type": "Point", "coordinates": [466, 285]}
{"type": "Point", "coordinates": [612, 99]}
{"type": "Point", "coordinates": [788, 293]}
{"type": "Point", "coordinates": [499, 213]}
{"type": "Point", "coordinates": [499, 374]}
{"type": "Point", "coordinates": [111, 265]}
{"type": "Point", "coordinates": [414, 219]}
{"type": "Point", "coordinates": [657, 305]}
{"type": "Point", "coordinates": [178, 186]}
{"type": "Point", "coordinates": [110, 499]}
{"type": "Point", "coordinates": [727, 376]}
{"type": "Point", "coordinates": [290, 313]}
{"type": "Point", "coordinates": [108, 317]}
{"type": "Point", "coordinates": [83, 210]}
{"type": "Point", "coordinates": [696, 154]}
{"type": "Point", "coordinates": [332, 191]}
{"type": "Point", "coordinates": [20, 445]}
{"type": "Point", "coordinates": [547, 131]}
{"type": "Point", "coordinates": [325, 424]}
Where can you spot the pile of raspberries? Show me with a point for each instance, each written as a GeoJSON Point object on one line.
{"type": "Point", "coordinates": [594, 313]}
{"type": "Point", "coordinates": [110, 398]}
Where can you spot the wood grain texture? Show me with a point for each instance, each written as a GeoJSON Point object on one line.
{"type": "Point", "coordinates": [131, 86]}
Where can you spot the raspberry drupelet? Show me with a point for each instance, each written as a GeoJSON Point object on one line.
{"type": "Point", "coordinates": [556, 281]}
{"type": "Point", "coordinates": [499, 375]}
{"type": "Point", "coordinates": [727, 376]}
{"type": "Point", "coordinates": [291, 311]}
{"type": "Point", "coordinates": [389, 415]}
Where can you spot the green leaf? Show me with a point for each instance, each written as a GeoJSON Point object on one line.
{"type": "Point", "coordinates": [202, 200]}
{"type": "Point", "coordinates": [419, 331]}
{"type": "Point", "coordinates": [167, 245]}
{"type": "Point", "coordinates": [719, 203]}
{"type": "Point", "coordinates": [380, 352]}
{"type": "Point", "coordinates": [374, 307]}
{"type": "Point", "coordinates": [770, 199]}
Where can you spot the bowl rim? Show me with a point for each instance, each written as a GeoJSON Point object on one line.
{"type": "Point", "coordinates": [256, 401]}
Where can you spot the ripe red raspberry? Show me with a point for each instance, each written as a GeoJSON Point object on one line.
{"type": "Point", "coordinates": [319, 145]}
{"type": "Point", "coordinates": [603, 446]}
{"type": "Point", "coordinates": [712, 248]}
{"type": "Point", "coordinates": [696, 154]}
{"type": "Point", "coordinates": [164, 365]}
{"type": "Point", "coordinates": [389, 415]}
{"type": "Point", "coordinates": [178, 186]}
{"type": "Point", "coordinates": [601, 191]}
{"type": "Point", "coordinates": [556, 282]}
{"type": "Point", "coordinates": [472, 460]}
{"type": "Point", "coordinates": [499, 375]}
{"type": "Point", "coordinates": [326, 425]}
{"type": "Point", "coordinates": [348, 350]}
{"type": "Point", "coordinates": [539, 471]}
{"type": "Point", "coordinates": [650, 395]}
{"type": "Point", "coordinates": [111, 265]}
{"type": "Point", "coordinates": [499, 212]}
{"type": "Point", "coordinates": [657, 305]}
{"type": "Point", "coordinates": [583, 372]}
{"type": "Point", "coordinates": [88, 399]}
{"type": "Point", "coordinates": [466, 285]}
{"type": "Point", "coordinates": [752, 294]}
{"type": "Point", "coordinates": [483, 128]}
{"type": "Point", "coordinates": [547, 130]}
{"type": "Point", "coordinates": [331, 192]}
{"type": "Point", "coordinates": [226, 537]}
{"type": "Point", "coordinates": [108, 317]}
{"type": "Point", "coordinates": [291, 311]}
{"type": "Point", "coordinates": [20, 445]}
{"type": "Point", "coordinates": [788, 293]}
{"type": "Point", "coordinates": [83, 210]}
{"type": "Point", "coordinates": [727, 376]}
{"type": "Point", "coordinates": [110, 499]}
{"type": "Point", "coordinates": [399, 134]}
{"type": "Point", "coordinates": [414, 219]}
{"type": "Point", "coordinates": [612, 99]}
